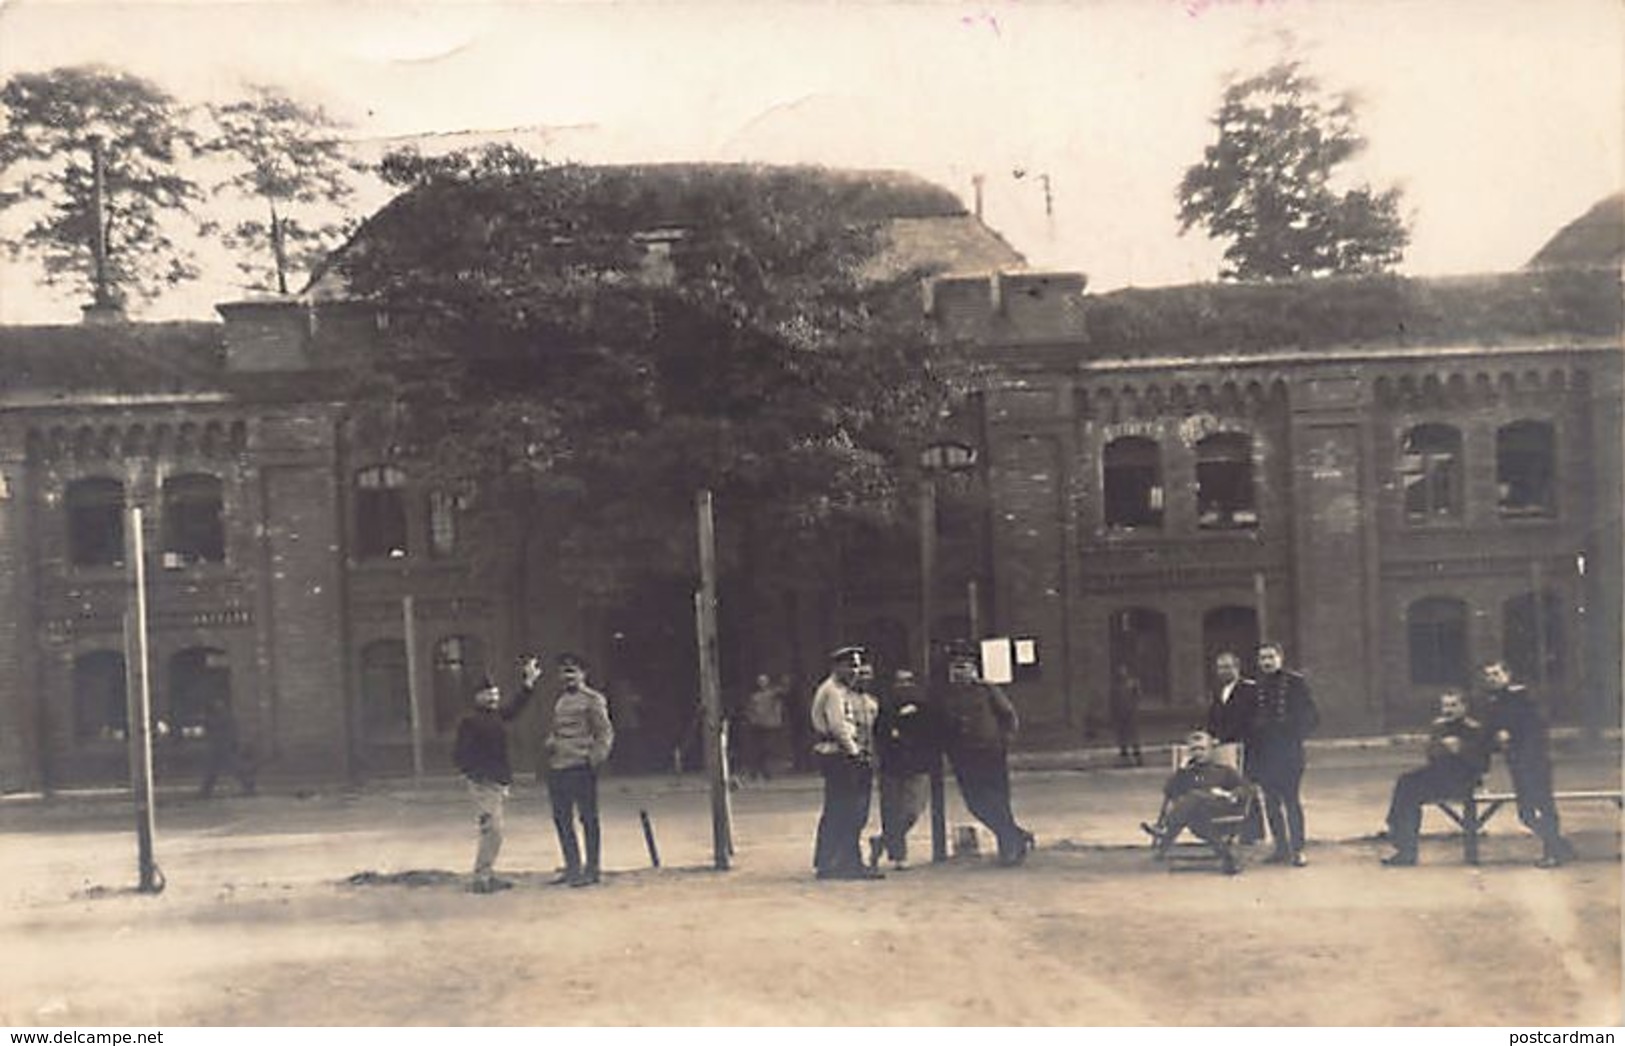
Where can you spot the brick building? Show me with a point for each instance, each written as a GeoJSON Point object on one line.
{"type": "Point", "coordinates": [1399, 478]}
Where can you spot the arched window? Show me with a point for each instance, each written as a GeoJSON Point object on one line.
{"type": "Point", "coordinates": [1231, 630]}
{"type": "Point", "coordinates": [95, 522]}
{"type": "Point", "coordinates": [1430, 470]}
{"type": "Point", "coordinates": [386, 697]}
{"type": "Point", "coordinates": [1224, 482]}
{"type": "Point", "coordinates": [1132, 483]}
{"type": "Point", "coordinates": [1532, 636]}
{"type": "Point", "coordinates": [445, 521]}
{"type": "Point", "coordinates": [99, 709]}
{"type": "Point", "coordinates": [1436, 631]}
{"type": "Point", "coordinates": [1139, 641]}
{"type": "Point", "coordinates": [1526, 469]}
{"type": "Point", "coordinates": [194, 529]}
{"type": "Point", "coordinates": [198, 677]}
{"type": "Point", "coordinates": [459, 662]}
{"type": "Point", "coordinates": [380, 513]}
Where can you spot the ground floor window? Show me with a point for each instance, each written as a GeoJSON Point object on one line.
{"type": "Point", "coordinates": [1532, 637]}
{"type": "Point", "coordinates": [1139, 646]}
{"type": "Point", "coordinates": [1436, 631]}
{"type": "Point", "coordinates": [99, 708]}
{"type": "Point", "coordinates": [386, 704]}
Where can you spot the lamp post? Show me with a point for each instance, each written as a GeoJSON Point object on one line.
{"type": "Point", "coordinates": [935, 459]}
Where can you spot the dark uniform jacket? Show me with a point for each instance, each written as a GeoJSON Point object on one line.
{"type": "Point", "coordinates": [908, 733]}
{"type": "Point", "coordinates": [1513, 708]}
{"type": "Point", "coordinates": [481, 749]}
{"type": "Point", "coordinates": [1466, 765]}
{"type": "Point", "coordinates": [1283, 715]}
{"type": "Point", "coordinates": [1202, 777]}
{"type": "Point", "coordinates": [977, 717]}
{"type": "Point", "coordinates": [1232, 720]}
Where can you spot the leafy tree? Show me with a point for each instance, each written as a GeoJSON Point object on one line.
{"type": "Point", "coordinates": [53, 122]}
{"type": "Point", "coordinates": [286, 157]}
{"type": "Point", "coordinates": [1267, 184]}
{"type": "Point", "coordinates": [626, 336]}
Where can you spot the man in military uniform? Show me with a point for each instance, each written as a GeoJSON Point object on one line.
{"type": "Point", "coordinates": [1283, 715]}
{"type": "Point", "coordinates": [843, 722]}
{"type": "Point", "coordinates": [908, 742]}
{"type": "Point", "coordinates": [1231, 706]}
{"type": "Point", "coordinates": [1195, 795]}
{"type": "Point", "coordinates": [1458, 754]}
{"type": "Point", "coordinates": [979, 722]}
{"type": "Point", "coordinates": [1518, 724]}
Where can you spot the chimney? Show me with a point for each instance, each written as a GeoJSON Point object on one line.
{"type": "Point", "coordinates": [977, 181]}
{"type": "Point", "coordinates": [105, 306]}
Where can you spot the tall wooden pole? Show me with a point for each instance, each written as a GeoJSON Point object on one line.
{"type": "Point", "coordinates": [1261, 602]}
{"type": "Point", "coordinates": [138, 702]}
{"type": "Point", "coordinates": [98, 240]}
{"type": "Point", "coordinates": [705, 617]}
{"type": "Point", "coordinates": [414, 686]}
{"type": "Point", "coordinates": [928, 583]}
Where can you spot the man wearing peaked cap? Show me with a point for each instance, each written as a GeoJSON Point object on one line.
{"type": "Point", "coordinates": [979, 721]}
{"type": "Point", "coordinates": [578, 742]}
{"type": "Point", "coordinates": [481, 755]}
{"type": "Point", "coordinates": [843, 720]}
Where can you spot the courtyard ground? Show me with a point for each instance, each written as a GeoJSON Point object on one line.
{"type": "Point", "coordinates": [259, 924]}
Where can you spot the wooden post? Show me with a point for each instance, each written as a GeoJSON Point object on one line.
{"type": "Point", "coordinates": [705, 617]}
{"type": "Point", "coordinates": [1262, 605]}
{"type": "Point", "coordinates": [413, 685]}
{"type": "Point", "coordinates": [928, 581]}
{"type": "Point", "coordinates": [138, 703]}
{"type": "Point", "coordinates": [974, 605]}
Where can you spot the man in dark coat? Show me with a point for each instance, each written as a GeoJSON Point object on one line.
{"type": "Point", "coordinates": [1231, 706]}
{"type": "Point", "coordinates": [1196, 795]}
{"type": "Point", "coordinates": [908, 743]}
{"type": "Point", "coordinates": [1283, 715]}
{"type": "Point", "coordinates": [481, 755]}
{"type": "Point", "coordinates": [978, 722]}
{"type": "Point", "coordinates": [1458, 754]}
{"type": "Point", "coordinates": [1518, 724]}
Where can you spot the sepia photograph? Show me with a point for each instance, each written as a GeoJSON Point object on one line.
{"type": "Point", "coordinates": [854, 514]}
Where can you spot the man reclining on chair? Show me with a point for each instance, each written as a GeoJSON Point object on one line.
{"type": "Point", "coordinates": [1197, 796]}
{"type": "Point", "coordinates": [1458, 754]}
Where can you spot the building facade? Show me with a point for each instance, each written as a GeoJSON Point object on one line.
{"type": "Point", "coordinates": [1399, 479]}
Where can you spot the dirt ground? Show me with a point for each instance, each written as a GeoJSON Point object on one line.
{"type": "Point", "coordinates": [258, 925]}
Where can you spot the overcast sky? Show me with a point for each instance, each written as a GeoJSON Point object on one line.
{"type": "Point", "coordinates": [1502, 120]}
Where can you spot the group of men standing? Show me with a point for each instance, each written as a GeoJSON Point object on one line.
{"type": "Point", "coordinates": [904, 732]}
{"type": "Point", "coordinates": [1270, 717]}
{"type": "Point", "coordinates": [577, 743]}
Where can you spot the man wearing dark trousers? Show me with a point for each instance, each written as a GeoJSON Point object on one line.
{"type": "Point", "coordinates": [1283, 715]}
{"type": "Point", "coordinates": [978, 722]}
{"type": "Point", "coordinates": [1230, 720]}
{"type": "Point", "coordinates": [577, 744]}
{"type": "Point", "coordinates": [1458, 754]}
{"type": "Point", "coordinates": [907, 741]}
{"type": "Point", "coordinates": [843, 724]}
{"type": "Point", "coordinates": [1518, 724]}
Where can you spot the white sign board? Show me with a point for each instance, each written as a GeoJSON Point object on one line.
{"type": "Point", "coordinates": [996, 663]}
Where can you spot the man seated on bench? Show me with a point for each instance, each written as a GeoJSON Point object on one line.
{"type": "Point", "coordinates": [1458, 754]}
{"type": "Point", "coordinates": [1199, 795]}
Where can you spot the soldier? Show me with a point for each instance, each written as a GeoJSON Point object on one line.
{"type": "Point", "coordinates": [1230, 710]}
{"type": "Point", "coordinates": [978, 722]}
{"type": "Point", "coordinates": [1518, 723]}
{"type": "Point", "coordinates": [578, 743]}
{"type": "Point", "coordinates": [907, 740]}
{"type": "Point", "coordinates": [1283, 715]}
{"type": "Point", "coordinates": [481, 755]}
{"type": "Point", "coordinates": [1194, 796]}
{"type": "Point", "coordinates": [843, 723]}
{"type": "Point", "coordinates": [1458, 754]}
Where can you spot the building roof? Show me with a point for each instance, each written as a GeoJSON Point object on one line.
{"type": "Point", "coordinates": [1596, 238]}
{"type": "Point", "coordinates": [927, 226]}
{"type": "Point", "coordinates": [122, 358]}
{"type": "Point", "coordinates": [1238, 319]}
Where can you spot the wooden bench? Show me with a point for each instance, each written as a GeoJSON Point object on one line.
{"type": "Point", "coordinates": [1478, 807]}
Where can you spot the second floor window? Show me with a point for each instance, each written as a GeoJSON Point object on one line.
{"type": "Point", "coordinates": [380, 513]}
{"type": "Point", "coordinates": [95, 522]}
{"type": "Point", "coordinates": [1525, 469]}
{"type": "Point", "coordinates": [193, 521]}
{"type": "Point", "coordinates": [1224, 482]}
{"type": "Point", "coordinates": [1430, 470]}
{"type": "Point", "coordinates": [1131, 474]}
